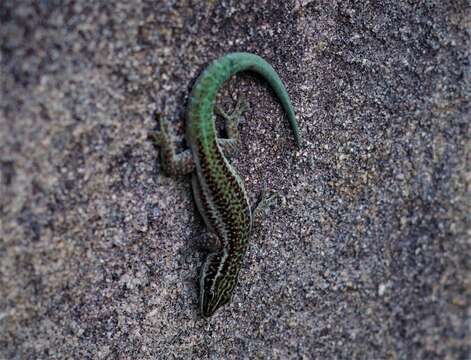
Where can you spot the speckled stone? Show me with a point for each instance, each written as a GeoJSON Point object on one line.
{"type": "Point", "coordinates": [365, 255]}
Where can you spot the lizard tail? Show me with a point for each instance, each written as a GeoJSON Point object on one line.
{"type": "Point", "coordinates": [223, 68]}
{"type": "Point", "coordinates": [255, 63]}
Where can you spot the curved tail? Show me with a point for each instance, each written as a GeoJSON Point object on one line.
{"type": "Point", "coordinates": [223, 68]}
{"type": "Point", "coordinates": [260, 66]}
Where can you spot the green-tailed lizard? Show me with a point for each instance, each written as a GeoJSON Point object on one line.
{"type": "Point", "coordinates": [218, 190]}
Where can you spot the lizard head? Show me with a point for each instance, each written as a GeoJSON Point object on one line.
{"type": "Point", "coordinates": [217, 281]}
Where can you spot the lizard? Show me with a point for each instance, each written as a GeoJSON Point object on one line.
{"type": "Point", "coordinates": [218, 190]}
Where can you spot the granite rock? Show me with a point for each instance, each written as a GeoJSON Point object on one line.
{"type": "Point", "coordinates": [365, 255]}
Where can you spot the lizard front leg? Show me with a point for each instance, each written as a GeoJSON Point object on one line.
{"type": "Point", "coordinates": [265, 201]}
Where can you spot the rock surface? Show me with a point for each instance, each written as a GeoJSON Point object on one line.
{"type": "Point", "coordinates": [365, 255]}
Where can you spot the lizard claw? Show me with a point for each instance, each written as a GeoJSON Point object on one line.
{"type": "Point", "coordinates": [159, 136]}
{"type": "Point", "coordinates": [242, 106]}
{"type": "Point", "coordinates": [266, 201]}
{"type": "Point", "coordinates": [235, 116]}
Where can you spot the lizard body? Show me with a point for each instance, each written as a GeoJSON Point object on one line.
{"type": "Point", "coordinates": [218, 190]}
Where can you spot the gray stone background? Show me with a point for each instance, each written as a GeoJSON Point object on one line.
{"type": "Point", "coordinates": [366, 254]}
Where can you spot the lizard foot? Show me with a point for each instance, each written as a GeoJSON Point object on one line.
{"type": "Point", "coordinates": [266, 201]}
{"type": "Point", "coordinates": [233, 119]}
{"type": "Point", "coordinates": [159, 137]}
{"type": "Point", "coordinates": [236, 115]}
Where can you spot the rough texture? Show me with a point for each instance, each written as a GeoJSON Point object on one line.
{"type": "Point", "coordinates": [366, 254]}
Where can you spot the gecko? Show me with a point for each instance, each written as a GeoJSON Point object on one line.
{"type": "Point", "coordinates": [218, 190]}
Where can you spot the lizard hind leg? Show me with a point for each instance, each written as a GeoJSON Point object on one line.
{"type": "Point", "coordinates": [230, 147]}
{"type": "Point", "coordinates": [173, 163]}
{"type": "Point", "coordinates": [232, 120]}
